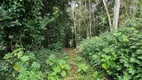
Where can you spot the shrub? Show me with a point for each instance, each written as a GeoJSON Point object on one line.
{"type": "Point", "coordinates": [36, 65]}
{"type": "Point", "coordinates": [45, 55]}
{"type": "Point", "coordinates": [58, 68]}
{"type": "Point", "coordinates": [119, 54]}
{"type": "Point", "coordinates": [21, 24]}
{"type": "Point", "coordinates": [133, 22]}
{"type": "Point", "coordinates": [22, 66]}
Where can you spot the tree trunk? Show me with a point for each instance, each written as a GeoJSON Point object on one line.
{"type": "Point", "coordinates": [87, 27]}
{"type": "Point", "coordinates": [109, 19]}
{"type": "Point", "coordinates": [90, 20]}
{"type": "Point", "coordinates": [116, 14]}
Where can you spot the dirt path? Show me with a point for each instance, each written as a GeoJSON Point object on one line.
{"type": "Point", "coordinates": [72, 56]}
{"type": "Point", "coordinates": [77, 63]}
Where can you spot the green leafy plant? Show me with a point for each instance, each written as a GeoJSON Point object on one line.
{"type": "Point", "coordinates": [58, 68]}
{"type": "Point", "coordinates": [86, 72]}
{"type": "Point", "coordinates": [21, 24]}
{"type": "Point", "coordinates": [118, 53]}
{"type": "Point", "coordinates": [82, 68]}
{"type": "Point", "coordinates": [23, 65]}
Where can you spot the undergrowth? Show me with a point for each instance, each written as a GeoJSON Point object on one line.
{"type": "Point", "coordinates": [118, 54]}
{"type": "Point", "coordinates": [36, 65]}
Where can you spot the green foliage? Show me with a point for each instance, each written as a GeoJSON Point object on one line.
{"type": "Point", "coordinates": [55, 29]}
{"type": "Point", "coordinates": [86, 72]}
{"type": "Point", "coordinates": [56, 46]}
{"type": "Point", "coordinates": [118, 54]}
{"type": "Point", "coordinates": [58, 68]}
{"type": "Point", "coordinates": [5, 71]}
{"type": "Point", "coordinates": [21, 23]}
{"type": "Point", "coordinates": [31, 24]}
{"type": "Point", "coordinates": [133, 22]}
{"type": "Point", "coordinates": [82, 66]}
{"type": "Point", "coordinates": [38, 65]}
{"type": "Point", "coordinates": [23, 66]}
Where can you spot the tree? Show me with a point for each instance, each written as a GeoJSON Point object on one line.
{"type": "Point", "coordinates": [116, 14]}
{"type": "Point", "coordinates": [109, 19]}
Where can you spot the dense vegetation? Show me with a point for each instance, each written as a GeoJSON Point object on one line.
{"type": "Point", "coordinates": [118, 54]}
{"type": "Point", "coordinates": [21, 24]}
{"type": "Point", "coordinates": [106, 37]}
{"type": "Point", "coordinates": [34, 65]}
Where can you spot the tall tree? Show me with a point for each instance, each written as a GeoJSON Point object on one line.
{"type": "Point", "coordinates": [116, 14]}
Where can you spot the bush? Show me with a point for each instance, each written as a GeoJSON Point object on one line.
{"type": "Point", "coordinates": [34, 65]}
{"type": "Point", "coordinates": [21, 66]}
{"type": "Point", "coordinates": [119, 54]}
{"type": "Point", "coordinates": [58, 68]}
{"type": "Point", "coordinates": [133, 22]}
{"type": "Point", "coordinates": [45, 55]}
{"type": "Point", "coordinates": [21, 24]}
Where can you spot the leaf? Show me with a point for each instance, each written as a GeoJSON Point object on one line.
{"type": "Point", "coordinates": [133, 47]}
{"type": "Point", "coordinates": [104, 65]}
{"type": "Point", "coordinates": [106, 50]}
{"type": "Point", "coordinates": [139, 57]}
{"type": "Point", "coordinates": [131, 70]}
{"type": "Point", "coordinates": [84, 67]}
{"type": "Point", "coordinates": [60, 61]}
{"type": "Point", "coordinates": [63, 73]}
{"type": "Point", "coordinates": [10, 36]}
{"type": "Point", "coordinates": [132, 59]}
{"type": "Point", "coordinates": [52, 57]}
{"type": "Point", "coordinates": [7, 56]}
{"type": "Point", "coordinates": [19, 55]}
{"type": "Point", "coordinates": [35, 65]}
{"type": "Point", "coordinates": [79, 70]}
{"type": "Point", "coordinates": [32, 56]}
{"type": "Point", "coordinates": [56, 69]}
{"type": "Point", "coordinates": [49, 62]}
{"type": "Point", "coordinates": [125, 39]}
{"type": "Point", "coordinates": [16, 67]}
{"type": "Point", "coordinates": [25, 58]}
{"type": "Point", "coordinates": [139, 51]}
{"type": "Point", "coordinates": [67, 67]}
{"type": "Point", "coordinates": [62, 66]}
{"type": "Point", "coordinates": [53, 73]}
{"type": "Point", "coordinates": [51, 78]}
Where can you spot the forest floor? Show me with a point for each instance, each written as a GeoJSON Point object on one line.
{"type": "Point", "coordinates": [72, 61]}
